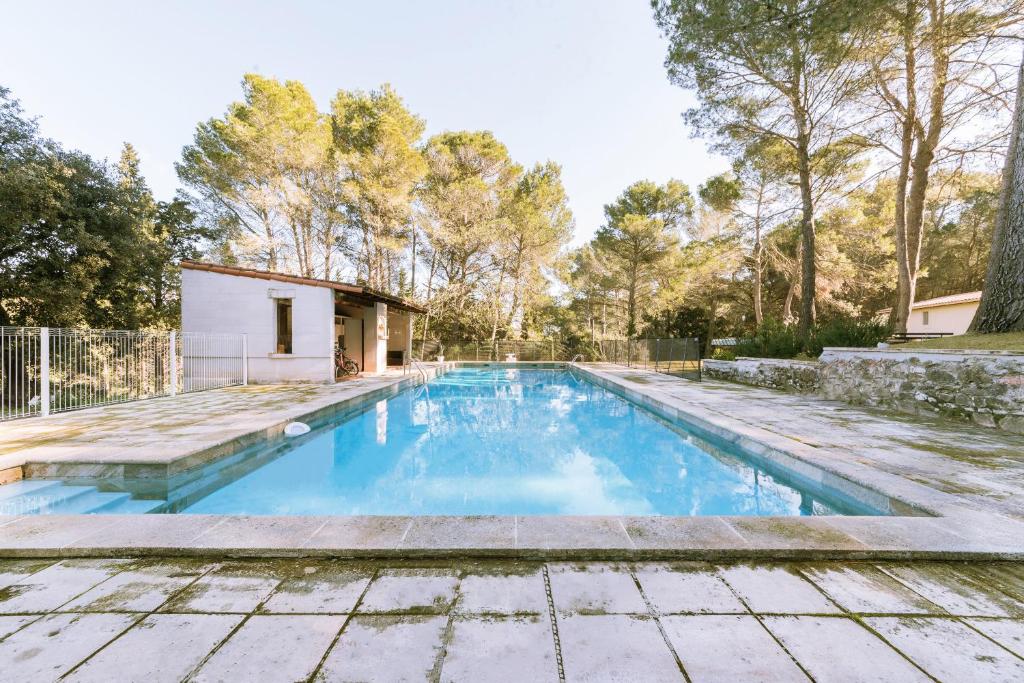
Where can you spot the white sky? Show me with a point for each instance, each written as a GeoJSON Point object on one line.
{"type": "Point", "coordinates": [579, 82]}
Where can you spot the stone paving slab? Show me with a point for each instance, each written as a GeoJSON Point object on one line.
{"type": "Point", "coordinates": [949, 650]}
{"type": "Point", "coordinates": [272, 648]}
{"type": "Point", "coordinates": [48, 589]}
{"type": "Point", "coordinates": [161, 647]}
{"type": "Point", "coordinates": [615, 647]}
{"type": "Point", "coordinates": [687, 588]}
{"type": "Point", "coordinates": [835, 649]}
{"type": "Point", "coordinates": [48, 648]}
{"type": "Point", "coordinates": [729, 648]}
{"type": "Point", "coordinates": [438, 621]}
{"type": "Point", "coordinates": [500, 649]}
{"type": "Point", "coordinates": [386, 648]}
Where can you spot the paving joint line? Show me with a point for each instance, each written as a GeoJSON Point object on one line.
{"type": "Point", "coordinates": [237, 627]}
{"type": "Point", "coordinates": [446, 635]}
{"type": "Point", "coordinates": [142, 617]}
{"type": "Point", "coordinates": [351, 615]}
{"type": "Point", "coordinates": [656, 616]}
{"type": "Point", "coordinates": [554, 624]}
{"type": "Point", "coordinates": [758, 618]}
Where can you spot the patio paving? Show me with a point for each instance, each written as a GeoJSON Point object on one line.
{"type": "Point", "coordinates": [170, 429]}
{"type": "Point", "coordinates": [317, 620]}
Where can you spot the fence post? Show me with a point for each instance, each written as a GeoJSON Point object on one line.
{"type": "Point", "coordinates": [172, 346]}
{"type": "Point", "coordinates": [245, 360]}
{"type": "Point", "coordinates": [44, 371]}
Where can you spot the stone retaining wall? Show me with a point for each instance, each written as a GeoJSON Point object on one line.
{"type": "Point", "coordinates": [788, 375]}
{"type": "Point", "coordinates": [985, 387]}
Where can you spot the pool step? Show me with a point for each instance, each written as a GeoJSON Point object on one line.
{"type": "Point", "coordinates": [42, 497]}
{"type": "Point", "coordinates": [25, 487]}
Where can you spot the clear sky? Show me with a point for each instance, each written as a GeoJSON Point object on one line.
{"type": "Point", "coordinates": [580, 82]}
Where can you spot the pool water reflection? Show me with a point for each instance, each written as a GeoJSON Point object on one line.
{"type": "Point", "coordinates": [503, 442]}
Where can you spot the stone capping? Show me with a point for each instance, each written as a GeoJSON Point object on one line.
{"type": "Point", "coordinates": [830, 353]}
{"type": "Point", "coordinates": [902, 349]}
{"type": "Point", "coordinates": [777, 361]}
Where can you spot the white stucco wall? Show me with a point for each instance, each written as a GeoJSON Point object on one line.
{"type": "Point", "coordinates": [375, 345]}
{"type": "Point", "coordinates": [221, 303]}
{"type": "Point", "coordinates": [954, 318]}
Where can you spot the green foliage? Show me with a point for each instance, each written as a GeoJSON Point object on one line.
{"type": "Point", "coordinates": [848, 332]}
{"type": "Point", "coordinates": [721, 353]}
{"type": "Point", "coordinates": [493, 232]}
{"type": "Point", "coordinates": [773, 339]}
{"type": "Point", "coordinates": [375, 139]}
{"type": "Point", "coordinates": [721, 192]}
{"type": "Point", "coordinates": [264, 173]}
{"type": "Point", "coordinates": [960, 220]}
{"type": "Point", "coordinates": [639, 239]}
{"type": "Point", "coordinates": [82, 244]}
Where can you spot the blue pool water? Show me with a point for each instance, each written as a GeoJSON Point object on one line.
{"type": "Point", "coordinates": [503, 442]}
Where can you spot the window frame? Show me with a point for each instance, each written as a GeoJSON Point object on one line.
{"type": "Point", "coordinates": [285, 346]}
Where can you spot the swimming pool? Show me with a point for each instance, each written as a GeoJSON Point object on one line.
{"type": "Point", "coordinates": [496, 441]}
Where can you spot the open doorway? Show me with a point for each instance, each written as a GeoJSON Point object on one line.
{"type": "Point", "coordinates": [348, 336]}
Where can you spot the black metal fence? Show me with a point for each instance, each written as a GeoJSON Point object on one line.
{"type": "Point", "coordinates": [679, 357]}
{"type": "Point", "coordinates": [499, 350]}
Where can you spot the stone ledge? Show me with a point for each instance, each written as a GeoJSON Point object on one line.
{"type": "Point", "coordinates": [510, 537]}
{"type": "Point", "coordinates": [945, 355]}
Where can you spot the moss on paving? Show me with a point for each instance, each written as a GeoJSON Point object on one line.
{"type": "Point", "coordinates": [1007, 341]}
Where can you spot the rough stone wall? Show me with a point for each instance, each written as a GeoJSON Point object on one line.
{"type": "Point", "coordinates": [787, 375]}
{"type": "Point", "coordinates": [986, 388]}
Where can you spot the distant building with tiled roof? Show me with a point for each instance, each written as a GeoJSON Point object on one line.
{"type": "Point", "coordinates": [952, 313]}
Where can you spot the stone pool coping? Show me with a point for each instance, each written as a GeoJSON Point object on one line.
{"type": "Point", "coordinates": [954, 531]}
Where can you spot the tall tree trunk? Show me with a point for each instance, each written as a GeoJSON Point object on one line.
{"type": "Point", "coordinates": [808, 274]}
{"type": "Point", "coordinates": [794, 285]}
{"type": "Point", "coordinates": [497, 308]}
{"type": "Point", "coordinates": [904, 296]}
{"type": "Point", "coordinates": [271, 246]}
{"type": "Point", "coordinates": [631, 306]}
{"type": "Point", "coordinates": [1002, 299]}
{"type": "Point", "coordinates": [758, 258]}
{"type": "Point", "coordinates": [924, 154]}
{"type": "Point", "coordinates": [712, 314]}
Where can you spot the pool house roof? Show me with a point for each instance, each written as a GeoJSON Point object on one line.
{"type": "Point", "coordinates": [356, 293]}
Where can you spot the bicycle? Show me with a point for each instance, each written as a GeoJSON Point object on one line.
{"type": "Point", "coordinates": [344, 366]}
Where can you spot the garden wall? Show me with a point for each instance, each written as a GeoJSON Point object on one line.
{"type": "Point", "coordinates": [985, 387]}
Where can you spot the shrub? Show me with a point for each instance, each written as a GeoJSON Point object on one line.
{"type": "Point", "coordinates": [774, 339]}
{"type": "Point", "coordinates": [721, 353]}
{"type": "Point", "coordinates": [848, 332]}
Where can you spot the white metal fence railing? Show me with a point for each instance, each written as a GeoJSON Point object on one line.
{"type": "Point", "coordinates": [210, 361]}
{"type": "Point", "coordinates": [49, 370]}
{"type": "Point", "coordinates": [20, 356]}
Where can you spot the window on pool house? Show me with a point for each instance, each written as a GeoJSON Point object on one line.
{"type": "Point", "coordinates": [924, 318]}
{"type": "Point", "coordinates": [284, 325]}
